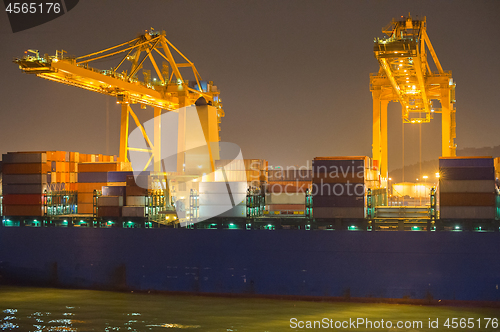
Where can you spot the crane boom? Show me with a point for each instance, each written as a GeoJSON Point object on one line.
{"type": "Point", "coordinates": [168, 92]}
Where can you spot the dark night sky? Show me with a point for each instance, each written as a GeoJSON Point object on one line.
{"type": "Point", "coordinates": [293, 75]}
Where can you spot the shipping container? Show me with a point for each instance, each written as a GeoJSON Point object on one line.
{"type": "Point", "coordinates": [467, 199]}
{"type": "Point", "coordinates": [466, 186]}
{"type": "Point", "coordinates": [222, 187]}
{"type": "Point", "coordinates": [339, 177]}
{"type": "Point", "coordinates": [208, 211]}
{"type": "Point", "coordinates": [110, 201]}
{"type": "Point", "coordinates": [445, 162]}
{"type": "Point", "coordinates": [338, 189]}
{"type": "Point", "coordinates": [23, 188]}
{"type": "Point", "coordinates": [339, 201]}
{"type": "Point", "coordinates": [287, 188]}
{"type": "Point", "coordinates": [98, 167]}
{"type": "Point", "coordinates": [93, 177]}
{"type": "Point", "coordinates": [20, 199]}
{"type": "Point", "coordinates": [339, 212]}
{"type": "Point", "coordinates": [90, 187]}
{"type": "Point", "coordinates": [289, 175]}
{"type": "Point", "coordinates": [109, 211]}
{"type": "Point", "coordinates": [467, 173]}
{"type": "Point", "coordinates": [467, 212]}
{"type": "Point", "coordinates": [136, 191]}
{"type": "Point", "coordinates": [119, 176]}
{"type": "Point", "coordinates": [85, 208]}
{"type": "Point", "coordinates": [133, 211]}
{"type": "Point", "coordinates": [285, 198]}
{"type": "Point", "coordinates": [113, 190]}
{"type": "Point", "coordinates": [25, 168]}
{"type": "Point", "coordinates": [24, 178]}
{"type": "Point", "coordinates": [136, 201]}
{"type": "Point", "coordinates": [23, 210]}
{"type": "Point", "coordinates": [222, 199]}
{"type": "Point", "coordinates": [24, 158]}
{"type": "Point", "coordinates": [279, 185]}
{"type": "Point", "coordinates": [85, 198]}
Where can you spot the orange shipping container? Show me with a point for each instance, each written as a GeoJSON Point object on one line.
{"type": "Point", "coordinates": [98, 167]}
{"type": "Point", "coordinates": [85, 208]}
{"type": "Point", "coordinates": [90, 187]}
{"type": "Point", "coordinates": [86, 198]}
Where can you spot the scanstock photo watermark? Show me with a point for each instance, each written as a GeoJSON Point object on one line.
{"type": "Point", "coordinates": [363, 324]}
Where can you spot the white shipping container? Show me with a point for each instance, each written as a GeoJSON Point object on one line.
{"type": "Point", "coordinates": [24, 178]}
{"type": "Point", "coordinates": [110, 201]}
{"type": "Point", "coordinates": [209, 211]}
{"type": "Point", "coordinates": [221, 199]}
{"type": "Point", "coordinates": [136, 201]}
{"type": "Point", "coordinates": [284, 198]}
{"type": "Point", "coordinates": [339, 212]}
{"type": "Point", "coordinates": [24, 158]}
{"type": "Point", "coordinates": [133, 211]}
{"type": "Point", "coordinates": [467, 186]}
{"type": "Point", "coordinates": [467, 212]}
{"type": "Point", "coordinates": [221, 187]}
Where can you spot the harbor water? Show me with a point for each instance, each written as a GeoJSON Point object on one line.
{"type": "Point", "coordinates": [51, 309]}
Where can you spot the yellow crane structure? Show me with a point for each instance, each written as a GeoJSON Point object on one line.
{"type": "Point", "coordinates": [405, 76]}
{"type": "Point", "coordinates": [170, 91]}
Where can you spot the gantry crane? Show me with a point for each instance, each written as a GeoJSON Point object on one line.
{"type": "Point", "coordinates": [169, 92]}
{"type": "Point", "coordinates": [405, 76]}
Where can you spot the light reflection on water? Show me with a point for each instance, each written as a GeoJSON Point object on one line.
{"type": "Point", "coordinates": [46, 309]}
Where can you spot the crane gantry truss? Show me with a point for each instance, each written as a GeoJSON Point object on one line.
{"type": "Point", "coordinates": [405, 76]}
{"type": "Point", "coordinates": [170, 91]}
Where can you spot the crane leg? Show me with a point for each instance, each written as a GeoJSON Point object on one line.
{"type": "Point", "coordinates": [157, 140]}
{"type": "Point", "coordinates": [124, 133]}
{"type": "Point", "coordinates": [379, 147]}
{"type": "Point", "coordinates": [446, 123]}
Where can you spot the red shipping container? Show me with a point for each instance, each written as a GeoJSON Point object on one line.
{"type": "Point", "coordinates": [25, 168]}
{"type": "Point", "coordinates": [20, 199]}
{"type": "Point", "coordinates": [109, 211]}
{"type": "Point", "coordinates": [23, 210]}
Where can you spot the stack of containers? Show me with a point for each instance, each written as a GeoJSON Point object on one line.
{"type": "Point", "coordinates": [23, 182]}
{"type": "Point", "coordinates": [222, 199]}
{"type": "Point", "coordinates": [467, 188]}
{"type": "Point", "coordinates": [94, 176]}
{"type": "Point", "coordinates": [339, 187]}
{"type": "Point", "coordinates": [286, 191]}
{"type": "Point", "coordinates": [136, 192]}
{"type": "Point", "coordinates": [253, 171]}
{"type": "Point", "coordinates": [296, 177]}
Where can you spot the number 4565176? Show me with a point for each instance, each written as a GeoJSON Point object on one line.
{"type": "Point", "coordinates": [33, 8]}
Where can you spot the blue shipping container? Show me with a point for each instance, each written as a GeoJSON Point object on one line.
{"type": "Point", "coordinates": [466, 162]}
{"type": "Point", "coordinates": [467, 173]}
{"type": "Point", "coordinates": [118, 176]}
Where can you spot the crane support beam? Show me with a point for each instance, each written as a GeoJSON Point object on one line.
{"type": "Point", "coordinates": [124, 133]}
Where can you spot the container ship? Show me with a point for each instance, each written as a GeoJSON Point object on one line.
{"type": "Point", "coordinates": [196, 217]}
